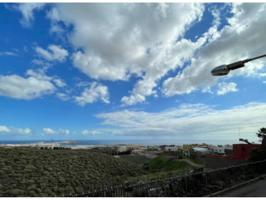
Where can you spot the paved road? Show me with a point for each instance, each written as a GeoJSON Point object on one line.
{"type": "Point", "coordinates": [255, 189]}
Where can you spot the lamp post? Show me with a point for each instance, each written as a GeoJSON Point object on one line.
{"type": "Point", "coordinates": [225, 69]}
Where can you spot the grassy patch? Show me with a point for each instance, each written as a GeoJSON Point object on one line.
{"type": "Point", "coordinates": [136, 159]}
{"type": "Point", "coordinates": [162, 163]}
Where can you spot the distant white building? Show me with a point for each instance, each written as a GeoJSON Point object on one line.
{"type": "Point", "coordinates": [201, 150]}
{"type": "Point", "coordinates": [228, 147]}
{"type": "Point", "coordinates": [217, 149]}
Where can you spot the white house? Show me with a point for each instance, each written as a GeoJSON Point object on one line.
{"type": "Point", "coordinates": [201, 150]}
{"type": "Point", "coordinates": [217, 149]}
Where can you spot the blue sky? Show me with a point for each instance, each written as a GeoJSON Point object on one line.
{"type": "Point", "coordinates": [131, 71]}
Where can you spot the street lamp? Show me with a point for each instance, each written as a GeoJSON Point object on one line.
{"type": "Point", "coordinates": [225, 69]}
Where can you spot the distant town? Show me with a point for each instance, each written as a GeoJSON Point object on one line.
{"type": "Point", "coordinates": [241, 151]}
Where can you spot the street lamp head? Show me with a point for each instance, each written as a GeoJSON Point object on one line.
{"type": "Point", "coordinates": [225, 69]}
{"type": "Point", "coordinates": [220, 71]}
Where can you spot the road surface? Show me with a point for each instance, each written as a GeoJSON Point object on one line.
{"type": "Point", "coordinates": [255, 189]}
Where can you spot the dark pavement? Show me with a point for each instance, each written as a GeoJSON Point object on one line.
{"type": "Point", "coordinates": [255, 189]}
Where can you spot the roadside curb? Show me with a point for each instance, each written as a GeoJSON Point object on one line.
{"type": "Point", "coordinates": [217, 194]}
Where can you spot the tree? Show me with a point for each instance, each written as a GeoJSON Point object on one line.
{"type": "Point", "coordinates": [260, 154]}
{"type": "Point", "coordinates": [262, 134]}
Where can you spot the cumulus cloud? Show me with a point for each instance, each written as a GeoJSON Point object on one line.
{"type": "Point", "coordinates": [117, 41]}
{"type": "Point", "coordinates": [182, 51]}
{"type": "Point", "coordinates": [224, 88]}
{"type": "Point", "coordinates": [87, 132]}
{"type": "Point", "coordinates": [27, 10]}
{"type": "Point", "coordinates": [59, 82]}
{"type": "Point", "coordinates": [24, 131]}
{"type": "Point", "coordinates": [4, 129]}
{"type": "Point", "coordinates": [35, 84]}
{"type": "Point", "coordinates": [48, 131]}
{"type": "Point", "coordinates": [93, 93]}
{"type": "Point", "coordinates": [15, 131]}
{"type": "Point", "coordinates": [53, 53]}
{"type": "Point", "coordinates": [64, 131]}
{"type": "Point", "coordinates": [190, 121]}
{"type": "Point", "coordinates": [29, 87]}
{"type": "Point", "coordinates": [240, 39]}
{"type": "Point", "coordinates": [63, 96]}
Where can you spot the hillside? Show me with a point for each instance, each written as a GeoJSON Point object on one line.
{"type": "Point", "coordinates": [34, 172]}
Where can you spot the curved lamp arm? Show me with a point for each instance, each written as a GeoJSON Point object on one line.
{"type": "Point", "coordinates": [225, 69]}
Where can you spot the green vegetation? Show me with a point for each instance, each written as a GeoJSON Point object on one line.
{"type": "Point", "coordinates": [136, 159]}
{"type": "Point", "coordinates": [35, 172]}
{"type": "Point", "coordinates": [62, 172]}
{"type": "Point", "coordinates": [162, 167]}
{"type": "Point", "coordinates": [162, 163]}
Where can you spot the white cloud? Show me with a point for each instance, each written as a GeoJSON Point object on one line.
{"type": "Point", "coordinates": [59, 82]}
{"type": "Point", "coordinates": [8, 53]}
{"type": "Point", "coordinates": [27, 10]}
{"type": "Point", "coordinates": [224, 88]}
{"type": "Point", "coordinates": [42, 63]}
{"type": "Point", "coordinates": [91, 94]}
{"type": "Point", "coordinates": [32, 86]}
{"type": "Point", "coordinates": [63, 96]}
{"type": "Point", "coordinates": [87, 132]}
{"type": "Point", "coordinates": [15, 131]}
{"type": "Point", "coordinates": [49, 131]}
{"type": "Point", "coordinates": [64, 131]}
{"type": "Point", "coordinates": [24, 131]}
{"type": "Point", "coordinates": [117, 41]}
{"type": "Point", "coordinates": [180, 52]}
{"type": "Point", "coordinates": [53, 53]}
{"type": "Point", "coordinates": [241, 39]}
{"type": "Point", "coordinates": [190, 122]}
{"type": "Point", "coordinates": [4, 129]}
{"type": "Point", "coordinates": [56, 28]}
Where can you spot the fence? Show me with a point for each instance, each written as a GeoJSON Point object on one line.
{"type": "Point", "coordinates": [193, 185]}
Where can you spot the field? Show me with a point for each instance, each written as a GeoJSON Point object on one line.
{"type": "Point", "coordinates": [34, 172]}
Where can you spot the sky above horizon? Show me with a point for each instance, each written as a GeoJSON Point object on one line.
{"type": "Point", "coordinates": [131, 71]}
